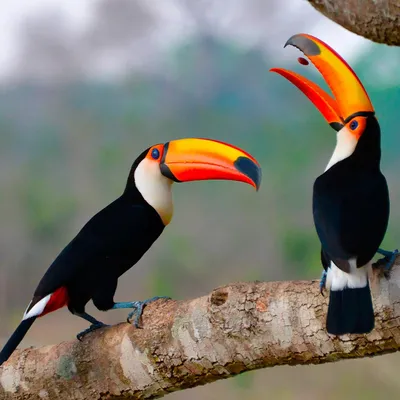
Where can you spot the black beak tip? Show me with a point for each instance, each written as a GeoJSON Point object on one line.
{"type": "Point", "coordinates": [304, 44]}
{"type": "Point", "coordinates": [292, 41]}
{"type": "Point", "coordinates": [250, 169]}
{"type": "Point", "coordinates": [289, 42]}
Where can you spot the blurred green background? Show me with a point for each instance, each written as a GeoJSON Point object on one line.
{"type": "Point", "coordinates": [86, 86]}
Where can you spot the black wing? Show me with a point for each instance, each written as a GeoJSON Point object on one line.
{"type": "Point", "coordinates": [110, 243]}
{"type": "Point", "coordinates": [351, 215]}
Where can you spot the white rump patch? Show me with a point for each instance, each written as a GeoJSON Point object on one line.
{"type": "Point", "coordinates": [346, 143]}
{"type": "Point", "coordinates": [37, 309]}
{"type": "Point", "coordinates": [338, 280]}
{"type": "Point", "coordinates": [155, 188]}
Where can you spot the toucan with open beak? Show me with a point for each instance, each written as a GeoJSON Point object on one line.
{"type": "Point", "coordinates": [119, 235]}
{"type": "Point", "coordinates": [351, 197]}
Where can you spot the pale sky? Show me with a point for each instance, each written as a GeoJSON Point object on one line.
{"type": "Point", "coordinates": [175, 24]}
{"type": "Point", "coordinates": [13, 13]}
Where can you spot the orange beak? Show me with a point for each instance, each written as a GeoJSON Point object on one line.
{"type": "Point", "coordinates": [349, 96]}
{"type": "Point", "coordinates": [186, 160]}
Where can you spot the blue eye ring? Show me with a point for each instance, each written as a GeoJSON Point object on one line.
{"type": "Point", "coordinates": [353, 125]}
{"type": "Point", "coordinates": [155, 154]}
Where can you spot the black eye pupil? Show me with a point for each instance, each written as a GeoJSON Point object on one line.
{"type": "Point", "coordinates": [353, 125]}
{"type": "Point", "coordinates": [155, 154]}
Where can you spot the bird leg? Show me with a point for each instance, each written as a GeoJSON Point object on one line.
{"type": "Point", "coordinates": [137, 308]}
{"type": "Point", "coordinates": [95, 324]}
{"type": "Point", "coordinates": [322, 282]}
{"type": "Point", "coordinates": [389, 257]}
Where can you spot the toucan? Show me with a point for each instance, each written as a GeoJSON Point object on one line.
{"type": "Point", "coordinates": [117, 237]}
{"type": "Point", "coordinates": [351, 197]}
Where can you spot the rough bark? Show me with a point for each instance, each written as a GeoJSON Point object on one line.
{"type": "Point", "coordinates": [236, 328]}
{"type": "Point", "coordinates": [377, 20]}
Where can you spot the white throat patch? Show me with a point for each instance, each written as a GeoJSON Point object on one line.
{"type": "Point", "coordinates": [155, 188]}
{"type": "Point", "coordinates": [346, 143]}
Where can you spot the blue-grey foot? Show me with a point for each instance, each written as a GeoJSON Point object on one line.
{"type": "Point", "coordinates": [389, 257]}
{"type": "Point", "coordinates": [322, 282]}
{"type": "Point", "coordinates": [91, 328]}
{"type": "Point", "coordinates": [138, 307]}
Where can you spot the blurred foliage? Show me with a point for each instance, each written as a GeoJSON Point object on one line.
{"type": "Point", "coordinates": [244, 381]}
{"type": "Point", "coordinates": [300, 249]}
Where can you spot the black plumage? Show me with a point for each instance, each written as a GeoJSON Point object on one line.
{"type": "Point", "coordinates": [107, 246]}
{"type": "Point", "coordinates": [118, 236]}
{"type": "Point", "coordinates": [351, 213]}
{"type": "Point", "coordinates": [351, 203]}
{"type": "Point", "coordinates": [351, 198]}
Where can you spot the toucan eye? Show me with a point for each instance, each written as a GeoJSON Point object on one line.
{"type": "Point", "coordinates": [353, 125]}
{"type": "Point", "coordinates": [155, 154]}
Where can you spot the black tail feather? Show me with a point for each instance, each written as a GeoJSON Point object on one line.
{"type": "Point", "coordinates": [350, 311]}
{"type": "Point", "coordinates": [15, 339]}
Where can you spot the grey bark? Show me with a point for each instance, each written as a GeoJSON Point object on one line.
{"type": "Point", "coordinates": [377, 20]}
{"type": "Point", "coordinates": [182, 344]}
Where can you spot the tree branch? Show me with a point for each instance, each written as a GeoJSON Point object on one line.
{"type": "Point", "coordinates": [377, 20]}
{"type": "Point", "coordinates": [239, 327]}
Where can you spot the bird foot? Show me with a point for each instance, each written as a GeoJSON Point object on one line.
{"type": "Point", "coordinates": [138, 307]}
{"type": "Point", "coordinates": [322, 282]}
{"type": "Point", "coordinates": [387, 262]}
{"type": "Point", "coordinates": [91, 328]}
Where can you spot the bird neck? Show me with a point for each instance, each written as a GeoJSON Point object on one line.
{"type": "Point", "coordinates": [368, 151]}
{"type": "Point", "coordinates": [132, 194]}
{"type": "Point", "coordinates": [154, 190]}
{"type": "Point", "coordinates": [364, 153]}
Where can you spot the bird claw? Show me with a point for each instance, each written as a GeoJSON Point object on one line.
{"type": "Point", "coordinates": [136, 312]}
{"type": "Point", "coordinates": [138, 307]}
{"type": "Point", "coordinates": [322, 282]}
{"type": "Point", "coordinates": [388, 260]}
{"type": "Point", "coordinates": [391, 259]}
{"type": "Point", "coordinates": [91, 328]}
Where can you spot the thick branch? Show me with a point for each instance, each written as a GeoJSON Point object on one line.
{"type": "Point", "coordinates": [377, 20]}
{"type": "Point", "coordinates": [236, 328]}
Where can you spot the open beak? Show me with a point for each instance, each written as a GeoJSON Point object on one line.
{"type": "Point", "coordinates": [186, 160]}
{"type": "Point", "coordinates": [349, 96]}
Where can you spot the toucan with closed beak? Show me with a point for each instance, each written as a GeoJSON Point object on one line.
{"type": "Point", "coordinates": [119, 235]}
{"type": "Point", "coordinates": [351, 197]}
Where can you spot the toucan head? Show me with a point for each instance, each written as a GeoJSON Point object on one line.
{"type": "Point", "coordinates": [185, 160]}
{"type": "Point", "coordinates": [349, 111]}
